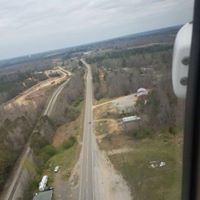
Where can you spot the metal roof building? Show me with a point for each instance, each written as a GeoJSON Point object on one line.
{"type": "Point", "coordinates": [46, 195]}
{"type": "Point", "coordinates": [130, 119]}
{"type": "Point", "coordinates": [142, 91]}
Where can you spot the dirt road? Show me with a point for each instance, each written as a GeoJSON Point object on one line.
{"type": "Point", "coordinates": [53, 98]}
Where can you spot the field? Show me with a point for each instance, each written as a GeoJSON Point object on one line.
{"type": "Point", "coordinates": [147, 182]}
{"type": "Point", "coordinates": [119, 67]}
{"type": "Point", "coordinates": [156, 138]}
{"type": "Point", "coordinates": [132, 156]}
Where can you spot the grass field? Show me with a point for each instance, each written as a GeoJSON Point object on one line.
{"type": "Point", "coordinates": [65, 160]}
{"type": "Point", "coordinates": [147, 183]}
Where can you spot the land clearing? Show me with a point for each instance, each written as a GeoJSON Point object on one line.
{"type": "Point", "coordinates": [26, 96]}
{"type": "Point", "coordinates": [132, 157]}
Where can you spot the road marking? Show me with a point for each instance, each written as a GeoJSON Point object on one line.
{"type": "Point", "coordinates": [86, 176]}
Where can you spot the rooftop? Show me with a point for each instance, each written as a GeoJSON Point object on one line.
{"type": "Point", "coordinates": [130, 118]}
{"type": "Point", "coordinates": [46, 195]}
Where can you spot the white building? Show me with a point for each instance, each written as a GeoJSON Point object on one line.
{"type": "Point", "coordinates": [130, 119]}
{"type": "Point", "coordinates": [142, 91]}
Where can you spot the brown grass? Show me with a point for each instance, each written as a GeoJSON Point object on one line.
{"type": "Point", "coordinates": [73, 128]}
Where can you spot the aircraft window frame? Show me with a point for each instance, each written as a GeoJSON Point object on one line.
{"type": "Point", "coordinates": [191, 152]}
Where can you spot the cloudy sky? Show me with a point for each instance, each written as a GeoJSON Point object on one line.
{"type": "Point", "coordinates": [30, 26]}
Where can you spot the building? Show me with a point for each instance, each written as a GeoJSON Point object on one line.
{"type": "Point", "coordinates": [130, 123]}
{"type": "Point", "coordinates": [46, 195]}
{"type": "Point", "coordinates": [142, 91]}
{"type": "Point", "coordinates": [130, 119]}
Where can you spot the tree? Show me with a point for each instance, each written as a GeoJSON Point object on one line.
{"type": "Point", "coordinates": [124, 64]}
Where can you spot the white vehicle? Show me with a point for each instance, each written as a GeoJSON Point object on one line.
{"type": "Point", "coordinates": [56, 169]}
{"type": "Point", "coordinates": [43, 183]}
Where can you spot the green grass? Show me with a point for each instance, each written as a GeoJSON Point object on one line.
{"type": "Point", "coordinates": [148, 183]}
{"type": "Point", "coordinates": [64, 156]}
{"type": "Point", "coordinates": [67, 144]}
{"type": "Point", "coordinates": [65, 159]}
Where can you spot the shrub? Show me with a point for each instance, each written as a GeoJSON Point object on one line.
{"type": "Point", "coordinates": [49, 150]}
{"type": "Point", "coordinates": [173, 130]}
{"type": "Point", "coordinates": [38, 142]}
{"type": "Point", "coordinates": [46, 152]}
{"type": "Point", "coordinates": [140, 133]}
{"type": "Point", "coordinates": [69, 143]}
{"type": "Point", "coordinates": [72, 113]}
{"type": "Point", "coordinates": [77, 102]}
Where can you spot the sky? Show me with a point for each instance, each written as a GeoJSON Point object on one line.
{"type": "Point", "coordinates": [32, 26]}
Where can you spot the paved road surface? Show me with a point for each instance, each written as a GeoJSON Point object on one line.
{"type": "Point", "coordinates": [98, 179]}
{"type": "Point", "coordinates": [87, 183]}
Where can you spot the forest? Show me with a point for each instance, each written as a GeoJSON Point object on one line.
{"type": "Point", "coordinates": [121, 72]}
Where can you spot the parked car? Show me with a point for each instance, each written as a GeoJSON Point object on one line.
{"type": "Point", "coordinates": [56, 169]}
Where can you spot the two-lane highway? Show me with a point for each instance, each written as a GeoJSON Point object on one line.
{"type": "Point", "coordinates": [87, 183]}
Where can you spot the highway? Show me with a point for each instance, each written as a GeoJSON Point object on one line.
{"type": "Point", "coordinates": [87, 183]}
{"type": "Point", "coordinates": [98, 179]}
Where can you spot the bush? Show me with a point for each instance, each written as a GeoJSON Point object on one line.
{"type": "Point", "coordinates": [38, 142]}
{"type": "Point", "coordinates": [140, 133]}
{"type": "Point", "coordinates": [7, 158]}
{"type": "Point", "coordinates": [173, 130]}
{"type": "Point", "coordinates": [72, 113]}
{"type": "Point", "coordinates": [46, 152]}
{"type": "Point", "coordinates": [49, 150]}
{"type": "Point", "coordinates": [77, 102]}
{"type": "Point", "coordinates": [69, 143]}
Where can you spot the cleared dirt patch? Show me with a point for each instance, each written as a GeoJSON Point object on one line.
{"type": "Point", "coordinates": [65, 131]}
{"type": "Point", "coordinates": [27, 95]}
{"type": "Point", "coordinates": [105, 111]}
{"type": "Point", "coordinates": [107, 126]}
{"type": "Point", "coordinates": [131, 157]}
